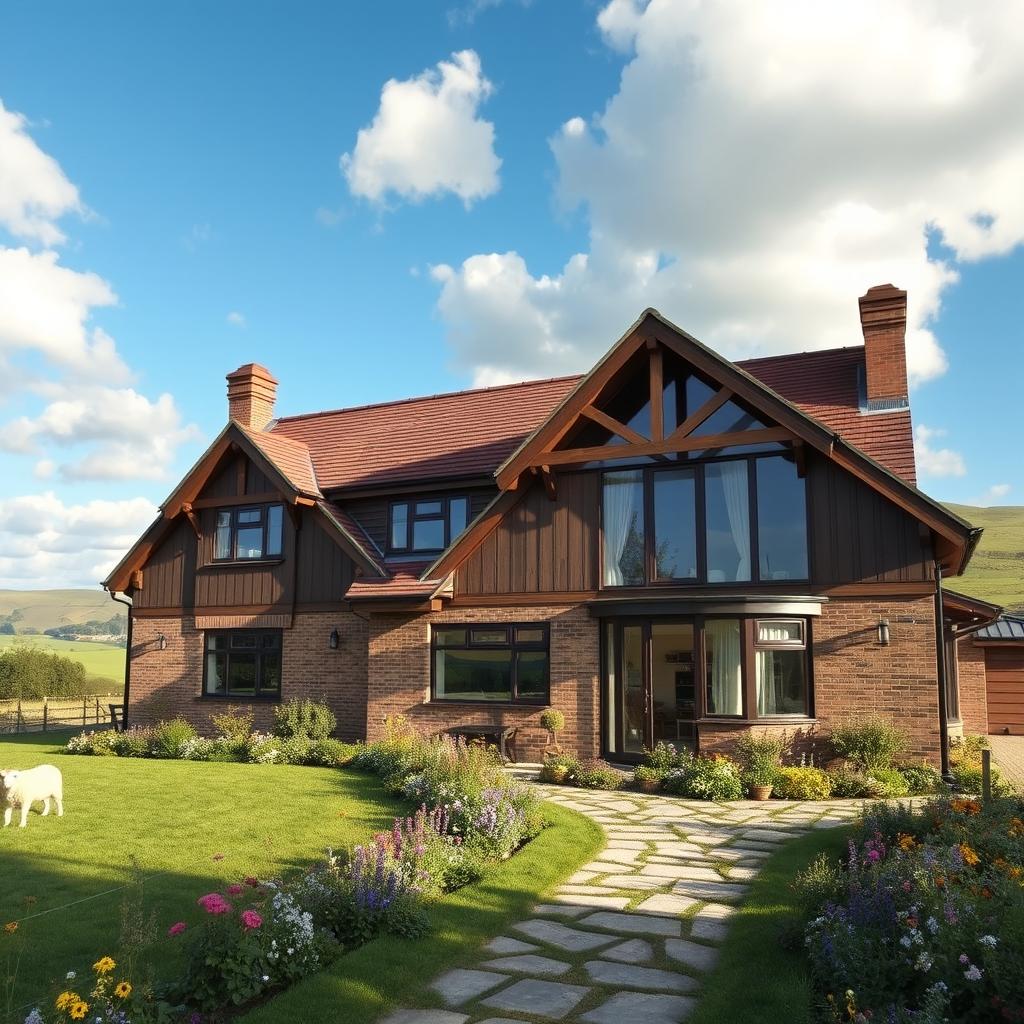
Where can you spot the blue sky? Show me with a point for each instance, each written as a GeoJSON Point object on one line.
{"type": "Point", "coordinates": [503, 216]}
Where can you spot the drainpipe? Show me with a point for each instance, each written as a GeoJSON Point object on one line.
{"type": "Point", "coordinates": [940, 664]}
{"type": "Point", "coordinates": [127, 602]}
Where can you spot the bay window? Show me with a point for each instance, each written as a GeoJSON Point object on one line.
{"type": "Point", "coordinates": [780, 654]}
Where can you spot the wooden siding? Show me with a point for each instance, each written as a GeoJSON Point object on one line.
{"type": "Point", "coordinates": [168, 578]}
{"type": "Point", "coordinates": [372, 513]}
{"type": "Point", "coordinates": [1004, 678]}
{"type": "Point", "coordinates": [324, 572]}
{"type": "Point", "coordinates": [237, 469]}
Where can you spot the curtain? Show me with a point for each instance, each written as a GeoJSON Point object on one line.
{"type": "Point", "coordinates": [723, 640]}
{"type": "Point", "coordinates": [621, 504]}
{"type": "Point", "coordinates": [737, 506]}
{"type": "Point", "coordinates": [769, 685]}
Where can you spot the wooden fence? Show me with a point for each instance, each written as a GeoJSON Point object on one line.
{"type": "Point", "coordinates": [56, 713]}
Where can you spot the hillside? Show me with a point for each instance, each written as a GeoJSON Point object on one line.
{"type": "Point", "coordinates": [104, 663]}
{"type": "Point", "coordinates": [38, 610]}
{"type": "Point", "coordinates": [996, 572]}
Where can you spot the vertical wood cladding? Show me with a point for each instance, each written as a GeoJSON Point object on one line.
{"type": "Point", "coordinates": [169, 576]}
{"type": "Point", "coordinates": [324, 572]}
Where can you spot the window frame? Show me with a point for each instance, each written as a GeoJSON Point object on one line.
{"type": "Point", "coordinates": [233, 511]}
{"type": "Point", "coordinates": [804, 645]}
{"type": "Point", "coordinates": [259, 695]}
{"type": "Point", "coordinates": [412, 518]}
{"type": "Point", "coordinates": [648, 472]}
{"type": "Point", "coordinates": [512, 644]}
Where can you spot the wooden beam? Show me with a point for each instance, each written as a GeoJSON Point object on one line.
{"type": "Point", "coordinates": [612, 424]}
{"type": "Point", "coordinates": [136, 579]}
{"type": "Point", "coordinates": [800, 453]}
{"type": "Point", "coordinates": [549, 482]}
{"type": "Point", "coordinates": [268, 498]}
{"type": "Point", "coordinates": [691, 423]}
{"type": "Point", "coordinates": [656, 371]}
{"type": "Point", "coordinates": [670, 444]}
{"type": "Point", "coordinates": [192, 518]}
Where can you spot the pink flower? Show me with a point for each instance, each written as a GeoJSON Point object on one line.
{"type": "Point", "coordinates": [251, 920]}
{"type": "Point", "coordinates": [253, 883]}
{"type": "Point", "coordinates": [235, 890]}
{"type": "Point", "coordinates": [214, 903]}
{"type": "Point", "coordinates": [874, 856]}
{"type": "Point", "coordinates": [177, 929]}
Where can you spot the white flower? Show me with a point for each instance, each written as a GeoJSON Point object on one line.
{"type": "Point", "coordinates": [973, 973]}
{"type": "Point", "coordinates": [70, 976]}
{"type": "Point", "coordinates": [989, 940]}
{"type": "Point", "coordinates": [933, 925]}
{"type": "Point", "coordinates": [35, 1017]}
{"type": "Point", "coordinates": [905, 942]}
{"type": "Point", "coordinates": [266, 977]}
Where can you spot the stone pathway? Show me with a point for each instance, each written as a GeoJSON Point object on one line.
{"type": "Point", "coordinates": [1008, 754]}
{"type": "Point", "coordinates": [628, 937]}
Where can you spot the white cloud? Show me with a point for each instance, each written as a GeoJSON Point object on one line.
{"type": "Point", "coordinates": [236, 319]}
{"type": "Point", "coordinates": [34, 191]}
{"type": "Point", "coordinates": [936, 461]}
{"type": "Point", "coordinates": [759, 168]}
{"type": "Point", "coordinates": [992, 496]}
{"type": "Point", "coordinates": [426, 138]}
{"type": "Point", "coordinates": [47, 543]}
{"type": "Point", "coordinates": [469, 12]}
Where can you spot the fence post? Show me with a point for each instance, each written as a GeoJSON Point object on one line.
{"type": "Point", "coordinates": [986, 775]}
{"type": "Point", "coordinates": [17, 719]}
{"type": "Point", "coordinates": [46, 713]}
{"type": "Point", "coordinates": [85, 711]}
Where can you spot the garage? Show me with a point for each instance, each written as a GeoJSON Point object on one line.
{"type": "Point", "coordinates": [1003, 643]}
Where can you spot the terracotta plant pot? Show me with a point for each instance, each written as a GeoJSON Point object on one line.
{"type": "Point", "coordinates": [760, 792]}
{"type": "Point", "coordinates": [558, 775]}
{"type": "Point", "coordinates": [650, 785]}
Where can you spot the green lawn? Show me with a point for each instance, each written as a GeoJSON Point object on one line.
{"type": "Point", "coordinates": [996, 572]}
{"type": "Point", "coordinates": [63, 878]}
{"type": "Point", "coordinates": [103, 662]}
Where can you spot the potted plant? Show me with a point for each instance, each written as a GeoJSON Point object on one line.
{"type": "Point", "coordinates": [760, 781]}
{"type": "Point", "coordinates": [554, 722]}
{"type": "Point", "coordinates": [648, 779]}
{"type": "Point", "coordinates": [760, 757]}
{"type": "Point", "coordinates": [557, 767]}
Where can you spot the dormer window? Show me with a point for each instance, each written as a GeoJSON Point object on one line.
{"type": "Point", "coordinates": [249, 532]}
{"type": "Point", "coordinates": [428, 525]}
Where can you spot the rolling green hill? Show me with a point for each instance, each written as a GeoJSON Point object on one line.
{"type": "Point", "coordinates": [996, 572]}
{"type": "Point", "coordinates": [104, 663]}
{"type": "Point", "coordinates": [44, 609]}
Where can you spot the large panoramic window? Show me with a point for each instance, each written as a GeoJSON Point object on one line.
{"type": "Point", "coordinates": [505, 664]}
{"type": "Point", "coordinates": [781, 660]}
{"type": "Point", "coordinates": [427, 525]}
{"type": "Point", "coordinates": [243, 663]}
{"type": "Point", "coordinates": [249, 532]}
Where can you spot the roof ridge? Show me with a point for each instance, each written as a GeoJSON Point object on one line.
{"type": "Point", "coordinates": [424, 398]}
{"type": "Point", "coordinates": [805, 352]}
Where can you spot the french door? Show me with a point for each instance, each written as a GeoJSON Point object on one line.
{"type": "Point", "coordinates": [650, 684]}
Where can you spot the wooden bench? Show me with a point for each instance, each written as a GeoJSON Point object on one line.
{"type": "Point", "coordinates": [117, 715]}
{"type": "Point", "coordinates": [500, 735]}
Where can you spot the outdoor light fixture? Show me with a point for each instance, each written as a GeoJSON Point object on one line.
{"type": "Point", "coordinates": [333, 641]}
{"type": "Point", "coordinates": [883, 632]}
{"type": "Point", "coordinates": [162, 641]}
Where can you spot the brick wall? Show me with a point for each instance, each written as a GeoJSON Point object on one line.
{"type": "Point", "coordinates": [399, 680]}
{"type": "Point", "coordinates": [973, 695]}
{"type": "Point", "coordinates": [168, 683]}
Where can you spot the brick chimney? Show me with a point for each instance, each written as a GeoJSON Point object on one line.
{"type": "Point", "coordinates": [883, 319]}
{"type": "Point", "coordinates": [251, 393]}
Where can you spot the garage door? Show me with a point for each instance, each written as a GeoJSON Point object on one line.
{"type": "Point", "coordinates": [1004, 673]}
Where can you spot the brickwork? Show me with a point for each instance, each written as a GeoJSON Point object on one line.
{"type": "Point", "coordinates": [971, 678]}
{"type": "Point", "coordinates": [399, 681]}
{"type": "Point", "coordinates": [883, 314]}
{"type": "Point", "coordinates": [167, 683]}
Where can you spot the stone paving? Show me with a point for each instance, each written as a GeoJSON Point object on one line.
{"type": "Point", "coordinates": [1008, 753]}
{"type": "Point", "coordinates": [628, 937]}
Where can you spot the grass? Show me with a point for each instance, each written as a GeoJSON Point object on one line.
{"type": "Point", "coordinates": [172, 817]}
{"type": "Point", "coordinates": [363, 985]}
{"type": "Point", "coordinates": [44, 609]}
{"type": "Point", "coordinates": [104, 663]}
{"type": "Point", "coordinates": [762, 977]}
{"type": "Point", "coordinates": [995, 573]}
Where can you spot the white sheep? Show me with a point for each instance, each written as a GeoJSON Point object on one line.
{"type": "Point", "coordinates": [22, 789]}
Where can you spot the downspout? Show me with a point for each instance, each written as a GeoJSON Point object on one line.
{"type": "Point", "coordinates": [940, 664]}
{"type": "Point", "coordinates": [127, 602]}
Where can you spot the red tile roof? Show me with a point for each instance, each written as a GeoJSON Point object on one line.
{"type": "Point", "coordinates": [290, 458]}
{"type": "Point", "coordinates": [404, 582]}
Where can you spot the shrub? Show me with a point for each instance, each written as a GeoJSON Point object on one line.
{"type": "Point", "coordinates": [887, 783]}
{"type": "Point", "coordinates": [803, 784]}
{"type": "Point", "coordinates": [132, 742]}
{"type": "Point", "coordinates": [167, 739]}
{"type": "Point", "coordinates": [557, 767]}
{"type": "Point", "coordinates": [920, 778]}
{"type": "Point", "coordinates": [664, 757]}
{"type": "Point", "coordinates": [645, 775]}
{"type": "Point", "coordinates": [595, 774]}
{"type": "Point", "coordinates": [329, 753]}
{"type": "Point", "coordinates": [31, 672]}
{"type": "Point", "coordinates": [759, 757]}
{"type": "Point", "coordinates": [965, 766]}
{"type": "Point", "coordinates": [706, 778]}
{"type": "Point", "coordinates": [233, 724]}
{"type": "Point", "coordinates": [306, 719]}
{"type": "Point", "coordinates": [552, 720]}
{"type": "Point", "coordinates": [846, 782]}
{"type": "Point", "coordinates": [869, 744]}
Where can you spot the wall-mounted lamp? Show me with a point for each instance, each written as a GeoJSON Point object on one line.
{"type": "Point", "coordinates": [883, 632]}
{"type": "Point", "coordinates": [333, 640]}
{"type": "Point", "coordinates": [162, 641]}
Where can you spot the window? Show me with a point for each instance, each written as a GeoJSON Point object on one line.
{"type": "Point", "coordinates": [781, 664]}
{"type": "Point", "coordinates": [249, 532]}
{"type": "Point", "coordinates": [727, 519]}
{"type": "Point", "coordinates": [244, 664]}
{"type": "Point", "coordinates": [623, 524]}
{"type": "Point", "coordinates": [781, 522]}
{"type": "Point", "coordinates": [675, 525]}
{"type": "Point", "coordinates": [952, 683]}
{"type": "Point", "coordinates": [427, 525]}
{"type": "Point", "coordinates": [496, 664]}
{"type": "Point", "coordinates": [725, 666]}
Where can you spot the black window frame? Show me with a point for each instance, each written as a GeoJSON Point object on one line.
{"type": "Point", "coordinates": [444, 516]}
{"type": "Point", "coordinates": [233, 512]}
{"type": "Point", "coordinates": [651, 579]}
{"type": "Point", "coordinates": [511, 644]}
{"type": "Point", "coordinates": [259, 694]}
{"type": "Point", "coordinates": [802, 645]}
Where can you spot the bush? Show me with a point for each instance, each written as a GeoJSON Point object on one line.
{"type": "Point", "coordinates": [920, 778]}
{"type": "Point", "coordinates": [305, 719]}
{"type": "Point", "coordinates": [803, 784]}
{"type": "Point", "coordinates": [759, 757]}
{"type": "Point", "coordinates": [965, 766]}
{"type": "Point", "coordinates": [664, 757]}
{"type": "Point", "coordinates": [330, 753]}
{"type": "Point", "coordinates": [706, 778]}
{"type": "Point", "coordinates": [887, 783]}
{"type": "Point", "coordinates": [645, 775]}
{"type": "Point", "coordinates": [870, 744]}
{"type": "Point", "coordinates": [168, 738]}
{"type": "Point", "coordinates": [552, 720]}
{"type": "Point", "coordinates": [847, 783]}
{"type": "Point", "coordinates": [132, 742]}
{"type": "Point", "coordinates": [31, 673]}
{"type": "Point", "coordinates": [558, 767]}
{"type": "Point", "coordinates": [233, 724]}
{"type": "Point", "coordinates": [595, 774]}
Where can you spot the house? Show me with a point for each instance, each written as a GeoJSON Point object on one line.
{"type": "Point", "coordinates": [1000, 646]}
{"type": "Point", "coordinates": [671, 547]}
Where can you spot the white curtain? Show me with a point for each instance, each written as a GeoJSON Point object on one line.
{"type": "Point", "coordinates": [621, 504]}
{"type": "Point", "coordinates": [737, 506]}
{"type": "Point", "coordinates": [770, 696]}
{"type": "Point", "coordinates": [723, 640]}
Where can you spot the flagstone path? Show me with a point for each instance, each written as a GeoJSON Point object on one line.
{"type": "Point", "coordinates": [628, 937]}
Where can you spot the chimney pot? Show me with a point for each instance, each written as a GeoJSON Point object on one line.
{"type": "Point", "coordinates": [883, 319]}
{"type": "Point", "coordinates": [251, 393]}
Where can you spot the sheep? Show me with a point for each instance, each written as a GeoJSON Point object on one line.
{"type": "Point", "coordinates": [23, 788]}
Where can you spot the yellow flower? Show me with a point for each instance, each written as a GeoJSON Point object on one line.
{"type": "Point", "coordinates": [104, 965]}
{"type": "Point", "coordinates": [906, 843]}
{"type": "Point", "coordinates": [66, 999]}
{"type": "Point", "coordinates": [969, 856]}
{"type": "Point", "coordinates": [123, 990]}
{"type": "Point", "coordinates": [79, 1010]}
{"type": "Point", "coordinates": [11, 927]}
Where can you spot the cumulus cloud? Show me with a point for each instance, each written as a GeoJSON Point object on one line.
{"type": "Point", "coordinates": [470, 11]}
{"type": "Point", "coordinates": [759, 168]}
{"type": "Point", "coordinates": [427, 139]}
{"type": "Point", "coordinates": [993, 495]}
{"type": "Point", "coordinates": [933, 461]}
{"type": "Point", "coordinates": [236, 319]}
{"type": "Point", "coordinates": [47, 543]}
{"type": "Point", "coordinates": [34, 191]}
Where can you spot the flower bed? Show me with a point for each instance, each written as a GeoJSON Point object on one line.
{"type": "Point", "coordinates": [924, 921]}
{"type": "Point", "coordinates": [259, 936]}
